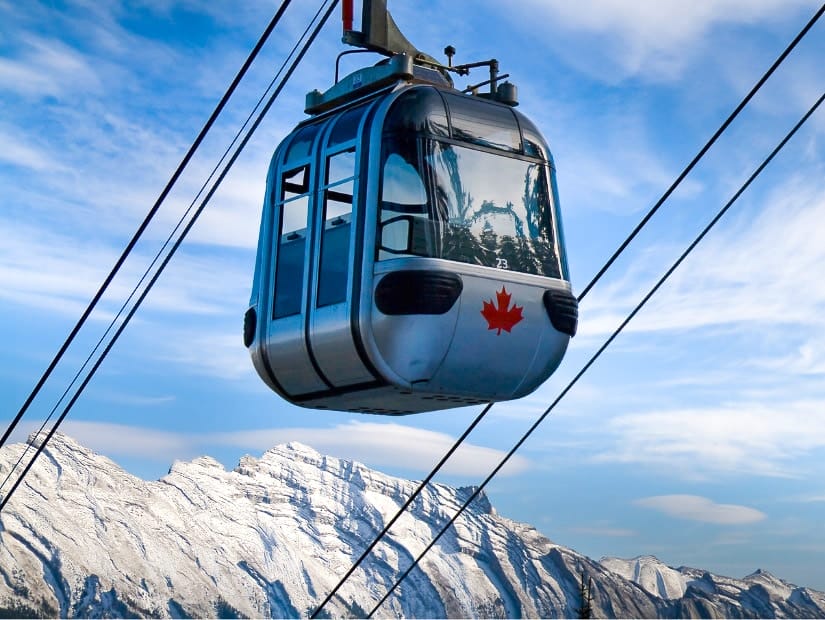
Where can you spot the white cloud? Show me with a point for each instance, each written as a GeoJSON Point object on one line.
{"type": "Point", "coordinates": [46, 67]}
{"type": "Point", "coordinates": [377, 445]}
{"type": "Point", "coordinates": [745, 438]}
{"type": "Point", "coordinates": [20, 151]}
{"type": "Point", "coordinates": [762, 269]}
{"type": "Point", "coordinates": [806, 359]}
{"type": "Point", "coordinates": [651, 38]}
{"type": "Point", "coordinates": [393, 445]}
{"type": "Point", "coordinates": [48, 270]}
{"type": "Point", "coordinates": [604, 530]}
{"type": "Point", "coordinates": [220, 355]}
{"type": "Point", "coordinates": [122, 440]}
{"type": "Point", "coordinates": [60, 273]}
{"type": "Point", "coordinates": [696, 508]}
{"type": "Point", "coordinates": [813, 498]}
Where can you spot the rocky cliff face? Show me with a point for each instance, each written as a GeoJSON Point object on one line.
{"type": "Point", "coordinates": [82, 537]}
{"type": "Point", "coordinates": [698, 593]}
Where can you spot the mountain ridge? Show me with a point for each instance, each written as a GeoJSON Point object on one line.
{"type": "Point", "coordinates": [271, 537]}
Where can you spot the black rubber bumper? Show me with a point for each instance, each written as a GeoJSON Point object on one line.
{"type": "Point", "coordinates": [563, 310]}
{"type": "Point", "coordinates": [417, 292]}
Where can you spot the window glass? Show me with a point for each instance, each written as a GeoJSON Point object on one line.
{"type": "Point", "coordinates": [301, 145]}
{"type": "Point", "coordinates": [341, 166]}
{"type": "Point", "coordinates": [418, 110]}
{"type": "Point", "coordinates": [332, 285]}
{"type": "Point", "coordinates": [333, 278]}
{"type": "Point", "coordinates": [339, 200]}
{"type": "Point", "coordinates": [346, 127]}
{"type": "Point", "coordinates": [534, 144]}
{"type": "Point", "coordinates": [481, 208]}
{"type": "Point", "coordinates": [403, 188]}
{"type": "Point", "coordinates": [479, 122]}
{"type": "Point", "coordinates": [289, 272]}
{"type": "Point", "coordinates": [295, 182]}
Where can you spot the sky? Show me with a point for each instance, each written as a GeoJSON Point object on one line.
{"type": "Point", "coordinates": [698, 436]}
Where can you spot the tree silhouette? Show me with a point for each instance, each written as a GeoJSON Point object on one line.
{"type": "Point", "coordinates": [585, 610]}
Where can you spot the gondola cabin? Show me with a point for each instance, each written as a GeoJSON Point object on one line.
{"type": "Point", "coordinates": [411, 256]}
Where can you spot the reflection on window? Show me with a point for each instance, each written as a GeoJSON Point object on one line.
{"type": "Point", "coordinates": [478, 122]}
{"type": "Point", "coordinates": [346, 126]}
{"type": "Point", "coordinates": [289, 272]}
{"type": "Point", "coordinates": [402, 192]}
{"type": "Point", "coordinates": [333, 278]}
{"type": "Point", "coordinates": [402, 189]}
{"type": "Point", "coordinates": [481, 208]}
{"type": "Point", "coordinates": [301, 145]}
{"type": "Point", "coordinates": [340, 166]}
{"type": "Point", "coordinates": [295, 183]}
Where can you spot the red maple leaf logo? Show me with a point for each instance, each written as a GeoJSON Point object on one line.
{"type": "Point", "coordinates": [502, 316]}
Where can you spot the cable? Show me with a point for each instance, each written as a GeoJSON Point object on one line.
{"type": "Point", "coordinates": [166, 243]}
{"type": "Point", "coordinates": [587, 288]}
{"type": "Point", "coordinates": [145, 223]}
{"type": "Point", "coordinates": [702, 152]}
{"type": "Point", "coordinates": [166, 260]}
{"type": "Point", "coordinates": [598, 353]}
{"type": "Point", "coordinates": [403, 509]}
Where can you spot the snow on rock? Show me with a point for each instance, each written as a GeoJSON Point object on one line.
{"type": "Point", "coordinates": [271, 538]}
{"type": "Point", "coordinates": [697, 593]}
{"type": "Point", "coordinates": [654, 576]}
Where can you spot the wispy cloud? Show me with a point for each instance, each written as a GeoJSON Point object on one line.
{"type": "Point", "coordinates": [48, 270]}
{"type": "Point", "coordinates": [19, 151]}
{"type": "Point", "coordinates": [697, 508]}
{"type": "Point", "coordinates": [58, 272]}
{"type": "Point", "coordinates": [46, 68]}
{"type": "Point", "coordinates": [115, 440]}
{"type": "Point", "coordinates": [754, 270]}
{"type": "Point", "coordinates": [377, 445]}
{"type": "Point", "coordinates": [195, 351]}
{"type": "Point", "coordinates": [394, 445]}
{"type": "Point", "coordinates": [605, 530]}
{"type": "Point", "coordinates": [654, 39]}
{"type": "Point", "coordinates": [810, 498]}
{"type": "Point", "coordinates": [746, 438]}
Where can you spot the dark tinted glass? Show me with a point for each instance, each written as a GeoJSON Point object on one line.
{"type": "Point", "coordinates": [301, 145]}
{"type": "Point", "coordinates": [289, 277]}
{"type": "Point", "coordinates": [418, 110]}
{"type": "Point", "coordinates": [332, 286]}
{"type": "Point", "coordinates": [402, 186]}
{"type": "Point", "coordinates": [480, 122]}
{"type": "Point", "coordinates": [333, 278]}
{"type": "Point", "coordinates": [534, 143]}
{"type": "Point", "coordinates": [289, 272]}
{"type": "Point", "coordinates": [346, 126]}
{"type": "Point", "coordinates": [498, 210]}
{"type": "Point", "coordinates": [481, 208]}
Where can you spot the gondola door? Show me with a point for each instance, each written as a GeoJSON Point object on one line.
{"type": "Point", "coordinates": [331, 337]}
{"type": "Point", "coordinates": [293, 203]}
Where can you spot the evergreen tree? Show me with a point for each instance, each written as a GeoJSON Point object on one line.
{"type": "Point", "coordinates": [586, 598]}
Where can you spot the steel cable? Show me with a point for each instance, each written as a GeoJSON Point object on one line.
{"type": "Point", "coordinates": [44, 441]}
{"type": "Point", "coordinates": [147, 219]}
{"type": "Point", "coordinates": [604, 346]}
{"type": "Point", "coordinates": [587, 288]}
{"type": "Point", "coordinates": [702, 152]}
{"type": "Point", "coordinates": [159, 253]}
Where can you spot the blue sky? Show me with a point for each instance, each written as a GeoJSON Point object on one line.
{"type": "Point", "coordinates": [698, 437]}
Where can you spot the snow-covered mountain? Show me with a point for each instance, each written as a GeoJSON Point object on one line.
{"type": "Point", "coordinates": [82, 537]}
{"type": "Point", "coordinates": [697, 593]}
